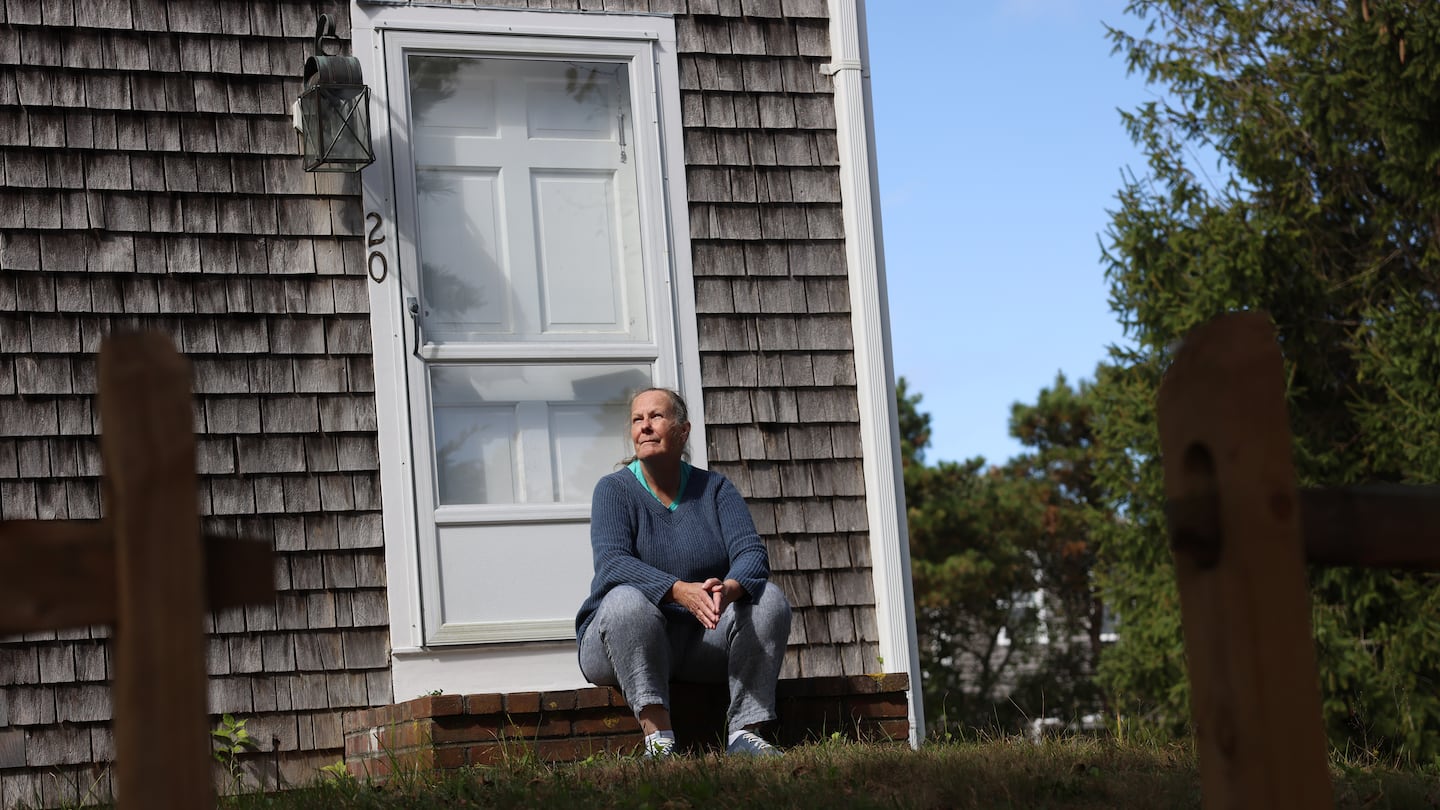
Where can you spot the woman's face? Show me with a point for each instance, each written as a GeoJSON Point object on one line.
{"type": "Point", "coordinates": [653, 428]}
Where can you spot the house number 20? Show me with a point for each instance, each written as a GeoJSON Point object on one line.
{"type": "Point", "coordinates": [376, 263]}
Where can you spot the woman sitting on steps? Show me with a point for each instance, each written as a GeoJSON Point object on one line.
{"type": "Point", "coordinates": [681, 589]}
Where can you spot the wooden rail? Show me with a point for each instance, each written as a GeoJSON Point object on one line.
{"type": "Point", "coordinates": [143, 568]}
{"type": "Point", "coordinates": [1241, 534]}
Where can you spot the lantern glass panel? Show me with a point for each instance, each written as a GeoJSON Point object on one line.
{"type": "Point", "coordinates": [337, 127]}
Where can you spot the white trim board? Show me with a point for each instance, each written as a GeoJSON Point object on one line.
{"type": "Point", "coordinates": [874, 366]}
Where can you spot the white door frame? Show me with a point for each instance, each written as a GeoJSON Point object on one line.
{"type": "Point", "coordinates": [417, 669]}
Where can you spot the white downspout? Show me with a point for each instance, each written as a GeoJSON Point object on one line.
{"type": "Point", "coordinates": [874, 366]}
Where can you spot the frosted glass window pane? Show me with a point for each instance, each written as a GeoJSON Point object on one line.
{"type": "Point", "coordinates": [587, 445]}
{"type": "Point", "coordinates": [582, 437]}
{"type": "Point", "coordinates": [474, 454]}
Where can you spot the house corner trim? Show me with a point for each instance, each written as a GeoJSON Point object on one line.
{"type": "Point", "coordinates": [874, 366]}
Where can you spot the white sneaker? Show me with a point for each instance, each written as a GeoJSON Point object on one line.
{"type": "Point", "coordinates": [750, 744]}
{"type": "Point", "coordinates": [658, 748]}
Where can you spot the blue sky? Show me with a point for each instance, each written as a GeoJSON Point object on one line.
{"type": "Point", "coordinates": [1001, 150]}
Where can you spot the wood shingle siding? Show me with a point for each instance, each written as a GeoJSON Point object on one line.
{"type": "Point", "coordinates": [772, 298]}
{"type": "Point", "coordinates": [150, 179]}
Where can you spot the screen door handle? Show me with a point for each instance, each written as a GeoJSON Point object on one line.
{"type": "Point", "coordinates": [412, 305]}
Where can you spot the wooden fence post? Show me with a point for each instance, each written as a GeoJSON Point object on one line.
{"type": "Point", "coordinates": [148, 446]}
{"type": "Point", "coordinates": [1239, 559]}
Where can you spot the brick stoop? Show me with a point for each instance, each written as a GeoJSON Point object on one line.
{"type": "Point", "coordinates": [453, 731]}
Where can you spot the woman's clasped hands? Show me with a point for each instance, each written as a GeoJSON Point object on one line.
{"type": "Point", "coordinates": [706, 600]}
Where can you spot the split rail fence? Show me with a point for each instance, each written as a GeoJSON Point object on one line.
{"type": "Point", "coordinates": [144, 568]}
{"type": "Point", "coordinates": [1242, 533]}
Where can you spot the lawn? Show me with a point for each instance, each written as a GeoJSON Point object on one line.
{"type": "Point", "coordinates": [1008, 773]}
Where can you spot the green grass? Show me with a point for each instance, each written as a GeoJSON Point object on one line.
{"type": "Point", "coordinates": [989, 774]}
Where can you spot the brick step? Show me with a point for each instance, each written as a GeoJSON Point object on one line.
{"type": "Point", "coordinates": [455, 731]}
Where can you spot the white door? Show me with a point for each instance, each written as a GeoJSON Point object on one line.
{"type": "Point", "coordinates": [539, 303]}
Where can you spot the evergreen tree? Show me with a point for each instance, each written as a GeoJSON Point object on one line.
{"type": "Point", "coordinates": [1322, 206]}
{"type": "Point", "coordinates": [1008, 622]}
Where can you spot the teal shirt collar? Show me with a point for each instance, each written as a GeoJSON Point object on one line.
{"type": "Point", "coordinates": [684, 479]}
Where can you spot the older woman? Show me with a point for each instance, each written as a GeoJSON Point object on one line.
{"type": "Point", "coordinates": [681, 589]}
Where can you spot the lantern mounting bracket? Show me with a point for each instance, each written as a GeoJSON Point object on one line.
{"type": "Point", "coordinates": [324, 29]}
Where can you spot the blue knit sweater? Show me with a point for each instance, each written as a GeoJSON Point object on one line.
{"type": "Point", "coordinates": [638, 542]}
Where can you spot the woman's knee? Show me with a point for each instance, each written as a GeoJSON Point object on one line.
{"type": "Point", "coordinates": [772, 611]}
{"type": "Point", "coordinates": [626, 602]}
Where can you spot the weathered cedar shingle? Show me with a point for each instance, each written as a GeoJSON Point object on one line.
{"type": "Point", "coordinates": [199, 337]}
{"type": "Point", "coordinates": [82, 704]}
{"type": "Point", "coordinates": [838, 479]}
{"type": "Point", "coordinates": [35, 88]}
{"type": "Point", "coordinates": [70, 91]}
{"type": "Point", "coordinates": [367, 650]}
{"type": "Point", "coordinates": [732, 148]}
{"type": "Point", "coordinates": [817, 626]}
{"type": "Point", "coordinates": [812, 37]}
{"type": "Point", "coordinates": [320, 375]}
{"type": "Point", "coordinates": [747, 111]}
{"type": "Point", "coordinates": [819, 516]}
{"type": "Point", "coordinates": [362, 531]}
{"type": "Point", "coordinates": [777, 334]}
{"type": "Point", "coordinates": [745, 368]}
{"type": "Point", "coordinates": [29, 706]}
{"type": "Point", "coordinates": [255, 57]}
{"type": "Point", "coordinates": [761, 8]}
{"type": "Point", "coordinates": [850, 515]}
{"type": "Point", "coordinates": [14, 125]}
{"type": "Point", "coordinates": [102, 15]}
{"type": "Point", "coordinates": [746, 37]}
{"type": "Point", "coordinates": [804, 8]}
{"type": "Point", "coordinates": [320, 609]}
{"type": "Point", "coordinates": [47, 129]}
{"type": "Point", "coordinates": [796, 370]}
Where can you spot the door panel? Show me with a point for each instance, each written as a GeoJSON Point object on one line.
{"type": "Point", "coordinates": [582, 105]}
{"type": "Point", "coordinates": [505, 579]}
{"type": "Point", "coordinates": [543, 303]}
{"type": "Point", "coordinates": [463, 271]}
{"type": "Point", "coordinates": [577, 252]}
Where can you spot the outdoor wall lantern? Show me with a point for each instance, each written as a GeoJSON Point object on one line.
{"type": "Point", "coordinates": [333, 112]}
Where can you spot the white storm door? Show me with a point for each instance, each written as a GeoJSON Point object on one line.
{"type": "Point", "coordinates": [535, 259]}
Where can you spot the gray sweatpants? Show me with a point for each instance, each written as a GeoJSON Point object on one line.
{"type": "Point", "coordinates": [636, 646]}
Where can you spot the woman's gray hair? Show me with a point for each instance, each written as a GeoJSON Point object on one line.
{"type": "Point", "coordinates": [678, 409]}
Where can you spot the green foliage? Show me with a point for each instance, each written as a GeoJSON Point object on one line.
{"type": "Point", "coordinates": [1322, 118]}
{"type": "Point", "coordinates": [336, 772]}
{"type": "Point", "coordinates": [230, 740]}
{"type": "Point", "coordinates": [1008, 622]}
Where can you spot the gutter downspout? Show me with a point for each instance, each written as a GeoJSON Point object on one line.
{"type": "Point", "coordinates": [874, 364]}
